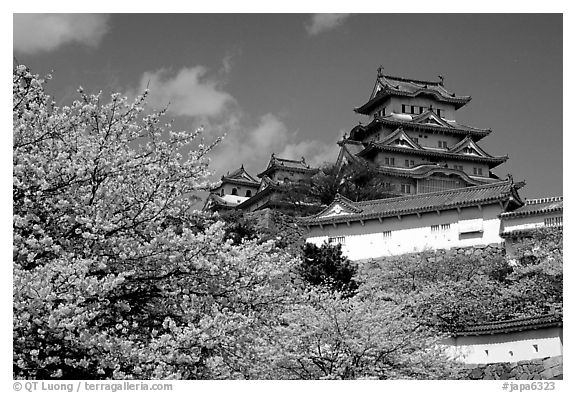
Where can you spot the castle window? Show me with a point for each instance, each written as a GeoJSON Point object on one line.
{"type": "Point", "coordinates": [389, 160]}
{"type": "Point", "coordinates": [407, 163]}
{"type": "Point", "coordinates": [248, 193]}
{"type": "Point", "coordinates": [388, 186]}
{"type": "Point", "coordinates": [403, 108]}
{"type": "Point", "coordinates": [413, 109]}
{"type": "Point", "coordinates": [421, 109]}
{"type": "Point", "coordinates": [553, 221]}
{"type": "Point", "coordinates": [222, 192]}
{"type": "Point", "coordinates": [337, 240]}
{"type": "Point", "coordinates": [234, 191]}
{"type": "Point", "coordinates": [438, 112]}
{"type": "Point", "coordinates": [439, 228]}
{"type": "Point", "coordinates": [415, 140]}
{"type": "Point", "coordinates": [477, 171]}
{"type": "Point", "coordinates": [443, 144]}
{"type": "Point", "coordinates": [405, 188]}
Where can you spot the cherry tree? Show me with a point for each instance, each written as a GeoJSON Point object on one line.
{"type": "Point", "coordinates": [115, 276]}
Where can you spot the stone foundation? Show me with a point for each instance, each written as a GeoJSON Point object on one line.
{"type": "Point", "coordinates": [545, 368]}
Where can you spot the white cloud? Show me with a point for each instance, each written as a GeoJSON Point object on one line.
{"type": "Point", "coordinates": [252, 145]}
{"type": "Point", "coordinates": [45, 32]}
{"type": "Point", "coordinates": [187, 93]}
{"type": "Point", "coordinates": [324, 22]}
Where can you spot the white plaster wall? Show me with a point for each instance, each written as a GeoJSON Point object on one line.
{"type": "Point", "coordinates": [506, 347]}
{"type": "Point", "coordinates": [395, 105]}
{"type": "Point", "coordinates": [527, 222]}
{"type": "Point", "coordinates": [411, 233]}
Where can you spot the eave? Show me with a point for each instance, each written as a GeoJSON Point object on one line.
{"type": "Point", "coordinates": [379, 122]}
{"type": "Point", "coordinates": [501, 193]}
{"type": "Point", "coordinates": [388, 92]}
{"type": "Point", "coordinates": [491, 161]}
{"type": "Point", "coordinates": [273, 168]}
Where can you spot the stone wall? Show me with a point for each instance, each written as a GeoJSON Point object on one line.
{"type": "Point", "coordinates": [546, 368]}
{"type": "Point", "coordinates": [278, 226]}
{"type": "Point", "coordinates": [488, 251]}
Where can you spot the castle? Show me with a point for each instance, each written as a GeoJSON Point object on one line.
{"type": "Point", "coordinates": [443, 195]}
{"type": "Point", "coordinates": [443, 190]}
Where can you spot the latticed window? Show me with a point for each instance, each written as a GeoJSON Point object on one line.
{"type": "Point", "coordinates": [437, 184]}
{"type": "Point", "coordinates": [337, 240]}
{"type": "Point", "coordinates": [440, 228]}
{"type": "Point", "coordinates": [387, 234]}
{"type": "Point", "coordinates": [553, 221]}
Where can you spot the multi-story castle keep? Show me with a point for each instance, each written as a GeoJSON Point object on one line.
{"type": "Point", "coordinates": [414, 140]}
{"type": "Point", "coordinates": [444, 192]}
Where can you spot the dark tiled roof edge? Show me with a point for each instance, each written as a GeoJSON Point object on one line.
{"type": "Point", "coordinates": [426, 152]}
{"type": "Point", "coordinates": [316, 220]}
{"type": "Point", "coordinates": [458, 129]}
{"type": "Point", "coordinates": [512, 325]}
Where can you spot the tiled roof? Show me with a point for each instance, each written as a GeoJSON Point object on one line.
{"type": "Point", "coordinates": [512, 325]}
{"type": "Point", "coordinates": [504, 191]}
{"type": "Point", "coordinates": [239, 176]}
{"type": "Point", "coordinates": [283, 163]}
{"type": "Point", "coordinates": [387, 85]}
{"type": "Point", "coordinates": [417, 172]}
{"type": "Point", "coordinates": [491, 161]}
{"type": "Point", "coordinates": [224, 201]}
{"type": "Point", "coordinates": [396, 121]}
{"type": "Point", "coordinates": [536, 206]}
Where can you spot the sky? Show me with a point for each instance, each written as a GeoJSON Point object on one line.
{"type": "Point", "coordinates": [287, 83]}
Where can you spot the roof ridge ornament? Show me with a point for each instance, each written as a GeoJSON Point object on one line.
{"type": "Point", "coordinates": [441, 77]}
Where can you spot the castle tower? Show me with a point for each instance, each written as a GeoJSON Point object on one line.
{"type": "Point", "coordinates": [414, 140]}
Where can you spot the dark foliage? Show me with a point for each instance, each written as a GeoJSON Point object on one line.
{"type": "Point", "coordinates": [325, 265]}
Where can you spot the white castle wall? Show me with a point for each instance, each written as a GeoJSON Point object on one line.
{"type": "Point", "coordinates": [521, 223]}
{"type": "Point", "coordinates": [506, 347]}
{"type": "Point", "coordinates": [471, 226]}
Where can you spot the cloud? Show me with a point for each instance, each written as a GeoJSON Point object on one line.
{"type": "Point", "coordinates": [45, 32]}
{"type": "Point", "coordinates": [252, 144]}
{"type": "Point", "coordinates": [199, 96]}
{"type": "Point", "coordinates": [187, 93]}
{"type": "Point", "coordinates": [324, 22]}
